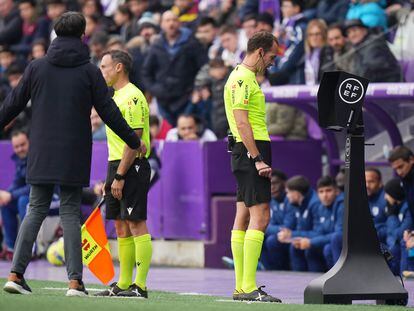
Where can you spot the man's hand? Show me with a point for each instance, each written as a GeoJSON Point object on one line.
{"type": "Point", "coordinates": [284, 235]}
{"type": "Point", "coordinates": [116, 188]}
{"type": "Point", "coordinates": [263, 169]}
{"type": "Point", "coordinates": [142, 150]}
{"type": "Point", "coordinates": [296, 243]}
{"type": "Point", "coordinates": [98, 189]}
{"type": "Point", "coordinates": [304, 243]}
{"type": "Point", "coordinates": [5, 197]}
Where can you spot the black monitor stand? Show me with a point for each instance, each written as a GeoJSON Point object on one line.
{"type": "Point", "coordinates": [361, 273]}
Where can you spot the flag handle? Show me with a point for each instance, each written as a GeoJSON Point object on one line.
{"type": "Point", "coordinates": [101, 202]}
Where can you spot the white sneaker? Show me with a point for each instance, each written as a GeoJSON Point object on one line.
{"type": "Point", "coordinates": [80, 291]}
{"type": "Point", "coordinates": [76, 293]}
{"type": "Point", "coordinates": [17, 287]}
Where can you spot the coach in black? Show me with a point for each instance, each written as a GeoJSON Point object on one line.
{"type": "Point", "coordinates": [63, 87]}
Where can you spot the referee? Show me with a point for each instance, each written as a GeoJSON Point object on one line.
{"type": "Point", "coordinates": [128, 179]}
{"type": "Point", "coordinates": [250, 162]}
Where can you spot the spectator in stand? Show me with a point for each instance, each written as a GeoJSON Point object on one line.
{"type": "Point", "coordinates": [315, 51]}
{"type": "Point", "coordinates": [190, 128]}
{"type": "Point", "coordinates": [370, 12]}
{"type": "Point", "coordinates": [98, 127]}
{"type": "Point", "coordinates": [39, 48]}
{"type": "Point", "coordinates": [27, 9]}
{"type": "Point", "coordinates": [97, 45]}
{"type": "Point", "coordinates": [137, 7]}
{"type": "Point", "coordinates": [339, 54]}
{"type": "Point", "coordinates": [289, 69]}
{"type": "Point", "coordinates": [7, 57]}
{"type": "Point", "coordinates": [286, 121]}
{"type": "Point", "coordinates": [218, 73]}
{"type": "Point", "coordinates": [14, 200]}
{"type": "Point", "coordinates": [54, 9]}
{"type": "Point", "coordinates": [207, 34]}
{"type": "Point", "coordinates": [123, 20]}
{"type": "Point", "coordinates": [170, 67]}
{"type": "Point", "coordinates": [373, 58]}
{"type": "Point", "coordinates": [94, 8]}
{"type": "Point", "coordinates": [230, 52]}
{"type": "Point", "coordinates": [264, 22]}
{"type": "Point", "coordinates": [187, 12]}
{"type": "Point", "coordinates": [332, 11]}
{"type": "Point", "coordinates": [398, 221]}
{"type": "Point", "coordinates": [158, 128]}
{"type": "Point", "coordinates": [248, 29]}
{"type": "Point", "coordinates": [11, 26]}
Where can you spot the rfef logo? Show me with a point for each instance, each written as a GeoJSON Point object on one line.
{"type": "Point", "coordinates": [351, 91]}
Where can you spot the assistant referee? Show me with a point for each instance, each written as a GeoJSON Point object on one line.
{"type": "Point", "coordinates": [250, 162]}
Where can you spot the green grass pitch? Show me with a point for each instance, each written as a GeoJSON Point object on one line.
{"type": "Point", "coordinates": [50, 296]}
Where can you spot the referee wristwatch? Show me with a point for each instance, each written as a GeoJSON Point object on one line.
{"type": "Point", "coordinates": [258, 158]}
{"type": "Point", "coordinates": [119, 177]}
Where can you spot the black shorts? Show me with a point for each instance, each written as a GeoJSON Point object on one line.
{"type": "Point", "coordinates": [252, 189]}
{"type": "Point", "coordinates": [133, 205]}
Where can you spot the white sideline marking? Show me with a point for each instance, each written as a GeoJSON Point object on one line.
{"type": "Point", "coordinates": [65, 288]}
{"type": "Point", "coordinates": [193, 294]}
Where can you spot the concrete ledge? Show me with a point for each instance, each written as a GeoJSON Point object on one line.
{"type": "Point", "coordinates": [172, 253]}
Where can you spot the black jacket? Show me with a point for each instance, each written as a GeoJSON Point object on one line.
{"type": "Point", "coordinates": [63, 87]}
{"type": "Point", "coordinates": [374, 60]}
{"type": "Point", "coordinates": [171, 78]}
{"type": "Point", "coordinates": [12, 32]}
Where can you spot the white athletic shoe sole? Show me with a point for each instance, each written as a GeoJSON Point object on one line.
{"type": "Point", "coordinates": [14, 288]}
{"type": "Point", "coordinates": [75, 293]}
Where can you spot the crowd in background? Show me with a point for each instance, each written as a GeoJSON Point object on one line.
{"type": "Point", "coordinates": [184, 50]}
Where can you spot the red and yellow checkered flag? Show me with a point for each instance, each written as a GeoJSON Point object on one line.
{"type": "Point", "coordinates": [95, 247]}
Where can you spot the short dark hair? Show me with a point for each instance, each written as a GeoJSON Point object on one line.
{"type": "Point", "coordinates": [261, 39]}
{"type": "Point", "coordinates": [299, 3]}
{"type": "Point", "coordinates": [124, 9]}
{"type": "Point", "coordinates": [298, 183]}
{"type": "Point", "coordinates": [216, 63]}
{"type": "Point", "coordinates": [31, 2]}
{"type": "Point", "coordinates": [326, 181]}
{"type": "Point", "coordinates": [374, 170]}
{"type": "Point", "coordinates": [99, 38]}
{"type": "Point", "coordinates": [228, 29]}
{"type": "Point", "coordinates": [70, 24]}
{"type": "Point", "coordinates": [121, 57]}
{"type": "Point", "coordinates": [279, 174]}
{"type": "Point", "coordinates": [18, 131]}
{"type": "Point", "coordinates": [153, 120]}
{"type": "Point", "coordinates": [249, 17]}
{"type": "Point", "coordinates": [207, 20]}
{"type": "Point", "coordinates": [337, 26]}
{"type": "Point", "coordinates": [14, 69]}
{"type": "Point", "coordinates": [400, 152]}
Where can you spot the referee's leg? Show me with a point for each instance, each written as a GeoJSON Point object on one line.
{"type": "Point", "coordinates": [259, 219]}
{"type": "Point", "coordinates": [238, 233]}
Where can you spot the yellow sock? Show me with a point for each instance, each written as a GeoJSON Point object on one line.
{"type": "Point", "coordinates": [143, 254]}
{"type": "Point", "coordinates": [126, 254]}
{"type": "Point", "coordinates": [252, 248]}
{"type": "Point", "coordinates": [237, 244]}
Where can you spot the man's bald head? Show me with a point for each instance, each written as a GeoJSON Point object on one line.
{"type": "Point", "coordinates": [170, 24]}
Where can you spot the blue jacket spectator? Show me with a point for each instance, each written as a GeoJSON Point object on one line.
{"type": "Point", "coordinates": [402, 162]}
{"type": "Point", "coordinates": [371, 14]}
{"type": "Point", "coordinates": [13, 202]}
{"type": "Point", "coordinates": [377, 204]}
{"type": "Point", "coordinates": [306, 214]}
{"type": "Point", "coordinates": [399, 220]}
{"type": "Point", "coordinates": [289, 68]}
{"type": "Point", "coordinates": [282, 215]}
{"type": "Point", "coordinates": [332, 11]}
{"type": "Point", "coordinates": [11, 28]}
{"type": "Point", "coordinates": [330, 221]}
{"type": "Point", "coordinates": [275, 255]}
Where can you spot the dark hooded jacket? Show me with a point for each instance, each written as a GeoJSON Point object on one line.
{"type": "Point", "coordinates": [63, 86]}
